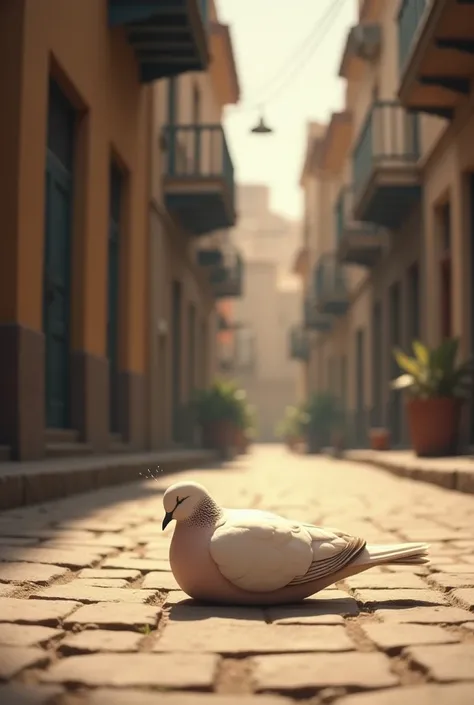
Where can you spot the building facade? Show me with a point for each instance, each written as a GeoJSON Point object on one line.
{"type": "Point", "coordinates": [255, 351]}
{"type": "Point", "coordinates": [387, 256]}
{"type": "Point", "coordinates": [106, 313]}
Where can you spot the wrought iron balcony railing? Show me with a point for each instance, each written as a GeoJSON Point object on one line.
{"type": "Point", "coordinates": [298, 343]}
{"type": "Point", "coordinates": [198, 181]}
{"type": "Point", "coordinates": [344, 215]}
{"type": "Point", "coordinates": [389, 138]}
{"type": "Point", "coordinates": [313, 319]}
{"type": "Point", "coordinates": [227, 279]}
{"type": "Point", "coordinates": [330, 286]}
{"type": "Point", "coordinates": [200, 152]}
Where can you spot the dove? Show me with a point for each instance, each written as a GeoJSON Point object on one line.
{"type": "Point", "coordinates": [254, 557]}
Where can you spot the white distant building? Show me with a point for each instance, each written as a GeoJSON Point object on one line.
{"type": "Point", "coordinates": [270, 305]}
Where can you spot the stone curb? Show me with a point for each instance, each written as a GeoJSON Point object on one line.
{"type": "Point", "coordinates": [23, 484]}
{"type": "Point", "coordinates": [451, 478]}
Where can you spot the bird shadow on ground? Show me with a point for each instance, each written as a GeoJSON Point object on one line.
{"type": "Point", "coordinates": [190, 610]}
{"type": "Point", "coordinates": [25, 527]}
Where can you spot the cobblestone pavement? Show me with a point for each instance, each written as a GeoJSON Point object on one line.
{"type": "Point", "coordinates": [90, 613]}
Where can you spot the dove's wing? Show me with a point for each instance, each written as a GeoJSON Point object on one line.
{"type": "Point", "coordinates": [260, 552]}
{"type": "Point", "coordinates": [332, 551]}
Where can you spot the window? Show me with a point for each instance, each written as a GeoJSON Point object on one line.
{"type": "Point", "coordinates": [191, 350]}
{"type": "Point", "coordinates": [173, 101]}
{"type": "Point", "coordinates": [196, 105]}
{"type": "Point", "coordinates": [413, 303]}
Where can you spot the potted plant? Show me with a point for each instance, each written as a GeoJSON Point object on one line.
{"type": "Point", "coordinates": [324, 419]}
{"type": "Point", "coordinates": [218, 411]}
{"type": "Point", "coordinates": [249, 428]}
{"type": "Point", "coordinates": [437, 388]}
{"type": "Point", "coordinates": [379, 437]}
{"type": "Point", "coordinates": [291, 428]}
{"type": "Point", "coordinates": [244, 422]}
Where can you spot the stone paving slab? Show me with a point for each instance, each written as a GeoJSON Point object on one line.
{"type": "Point", "coordinates": [90, 612]}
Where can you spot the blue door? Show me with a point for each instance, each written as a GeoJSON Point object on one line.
{"type": "Point", "coordinates": [115, 207]}
{"type": "Point", "coordinates": [377, 368]}
{"type": "Point", "coordinates": [57, 256]}
{"type": "Point", "coordinates": [396, 408]}
{"type": "Point", "coordinates": [176, 321]}
{"type": "Point", "coordinates": [360, 425]}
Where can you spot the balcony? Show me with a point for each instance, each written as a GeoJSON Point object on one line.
{"type": "Point", "coordinates": [198, 181]}
{"type": "Point", "coordinates": [227, 278]}
{"type": "Point", "coordinates": [360, 244]}
{"type": "Point", "coordinates": [313, 320]}
{"type": "Point", "coordinates": [436, 53]}
{"type": "Point", "coordinates": [169, 37]}
{"type": "Point", "coordinates": [225, 325]}
{"type": "Point", "coordinates": [210, 257]}
{"type": "Point", "coordinates": [301, 262]}
{"type": "Point", "coordinates": [330, 289]}
{"type": "Point", "coordinates": [385, 171]}
{"type": "Point", "coordinates": [298, 344]}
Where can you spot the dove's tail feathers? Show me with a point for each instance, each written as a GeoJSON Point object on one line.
{"type": "Point", "coordinates": [398, 554]}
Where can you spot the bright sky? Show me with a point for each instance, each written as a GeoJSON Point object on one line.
{"type": "Point", "coordinates": [266, 33]}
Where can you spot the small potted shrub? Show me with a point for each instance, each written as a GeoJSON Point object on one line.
{"type": "Point", "coordinates": [437, 388]}
{"type": "Point", "coordinates": [379, 437]}
{"type": "Point", "coordinates": [244, 423]}
{"type": "Point", "coordinates": [324, 422]}
{"type": "Point", "coordinates": [218, 411]}
{"type": "Point", "coordinates": [291, 427]}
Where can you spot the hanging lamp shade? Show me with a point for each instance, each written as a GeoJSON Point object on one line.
{"type": "Point", "coordinates": [261, 128]}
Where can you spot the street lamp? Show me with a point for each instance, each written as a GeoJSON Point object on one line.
{"type": "Point", "coordinates": [261, 128]}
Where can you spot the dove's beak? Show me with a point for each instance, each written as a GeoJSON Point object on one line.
{"type": "Point", "coordinates": [166, 520]}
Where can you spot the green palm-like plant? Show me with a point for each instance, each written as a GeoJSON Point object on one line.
{"type": "Point", "coordinates": [434, 373]}
{"type": "Point", "coordinates": [324, 415]}
{"type": "Point", "coordinates": [293, 423]}
{"type": "Point", "coordinates": [223, 400]}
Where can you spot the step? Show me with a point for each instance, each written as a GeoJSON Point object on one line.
{"type": "Point", "coordinates": [26, 483]}
{"type": "Point", "coordinates": [5, 454]}
{"type": "Point", "coordinates": [120, 447]}
{"type": "Point", "coordinates": [67, 450]}
{"type": "Point", "coordinates": [455, 473]}
{"type": "Point", "coordinates": [61, 435]}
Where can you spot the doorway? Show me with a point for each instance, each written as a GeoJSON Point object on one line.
{"type": "Point", "coordinates": [445, 270]}
{"type": "Point", "coordinates": [57, 255]}
{"type": "Point", "coordinates": [176, 356]}
{"type": "Point", "coordinates": [113, 292]}
{"type": "Point", "coordinates": [360, 426]}
{"type": "Point", "coordinates": [377, 419]}
{"type": "Point", "coordinates": [413, 282]}
{"type": "Point", "coordinates": [191, 350]}
{"type": "Point", "coordinates": [471, 220]}
{"type": "Point", "coordinates": [395, 338]}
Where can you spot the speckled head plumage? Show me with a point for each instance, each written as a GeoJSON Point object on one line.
{"type": "Point", "coordinates": [189, 502]}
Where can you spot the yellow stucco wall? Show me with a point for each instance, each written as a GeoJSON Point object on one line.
{"type": "Point", "coordinates": [97, 70]}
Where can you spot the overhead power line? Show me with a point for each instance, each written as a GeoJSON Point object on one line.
{"type": "Point", "coordinates": [304, 52]}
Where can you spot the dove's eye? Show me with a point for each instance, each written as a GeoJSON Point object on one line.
{"type": "Point", "coordinates": [179, 501]}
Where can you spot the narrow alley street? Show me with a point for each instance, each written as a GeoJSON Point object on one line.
{"type": "Point", "coordinates": [90, 612]}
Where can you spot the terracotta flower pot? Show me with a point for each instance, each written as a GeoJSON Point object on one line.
{"type": "Point", "coordinates": [240, 440]}
{"type": "Point", "coordinates": [379, 438]}
{"type": "Point", "coordinates": [219, 435]}
{"type": "Point", "coordinates": [434, 425]}
{"type": "Point", "coordinates": [291, 442]}
{"type": "Point", "coordinates": [337, 440]}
